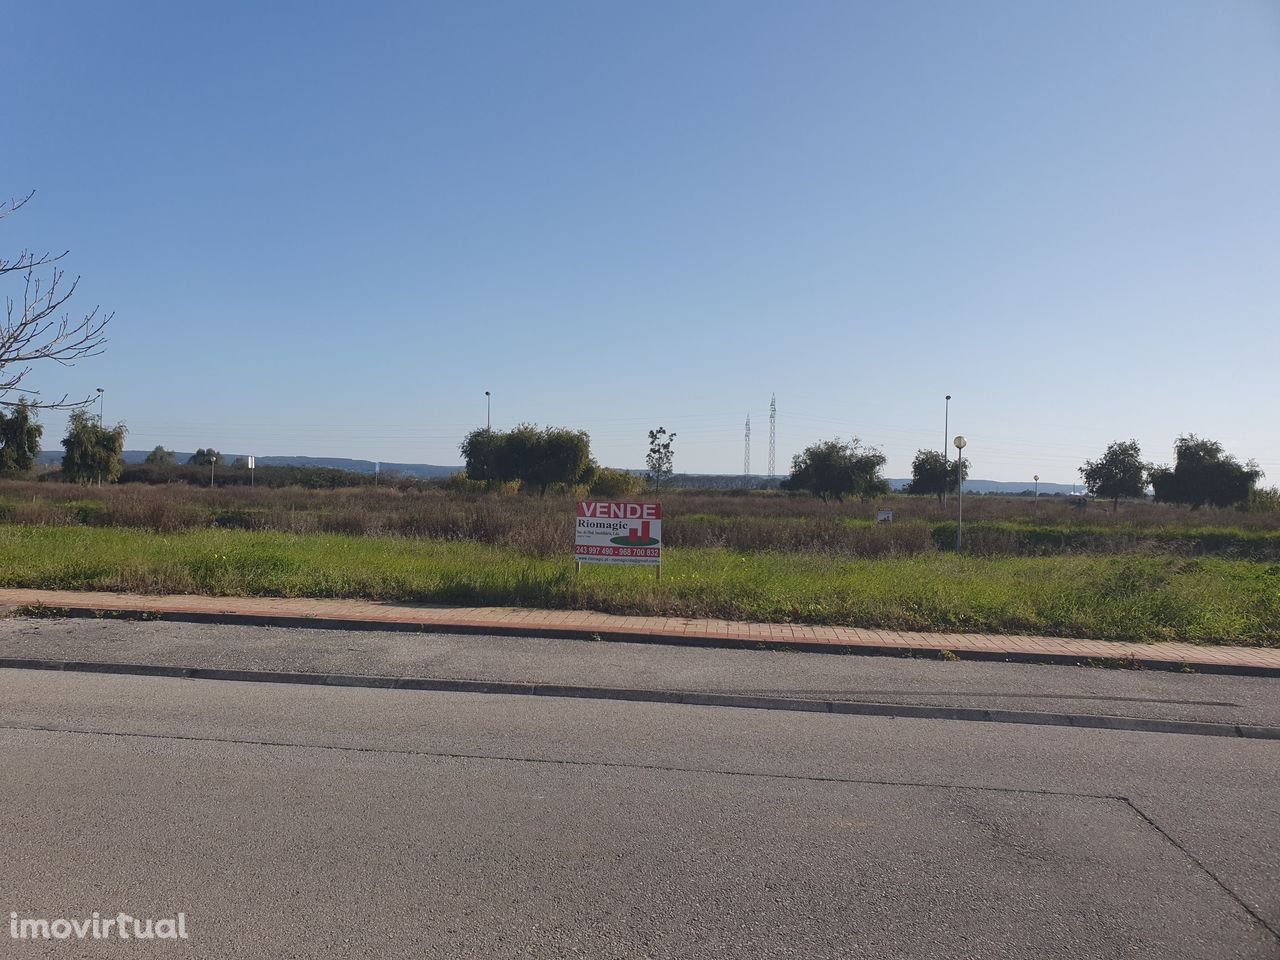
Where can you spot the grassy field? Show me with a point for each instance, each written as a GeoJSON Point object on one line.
{"type": "Point", "coordinates": [1130, 596]}
{"type": "Point", "coordinates": [1145, 572]}
{"type": "Point", "coordinates": [543, 527]}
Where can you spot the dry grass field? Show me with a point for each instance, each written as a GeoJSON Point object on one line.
{"type": "Point", "coordinates": [1146, 572]}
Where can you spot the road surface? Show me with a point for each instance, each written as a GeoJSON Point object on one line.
{"type": "Point", "coordinates": [290, 821]}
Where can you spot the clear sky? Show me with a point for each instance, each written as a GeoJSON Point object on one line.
{"type": "Point", "coordinates": [328, 228]}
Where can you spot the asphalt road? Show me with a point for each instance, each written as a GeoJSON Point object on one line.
{"type": "Point", "coordinates": [1074, 690]}
{"type": "Point", "coordinates": [322, 822]}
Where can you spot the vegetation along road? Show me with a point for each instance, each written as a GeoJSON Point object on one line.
{"type": "Point", "coordinates": [1149, 572]}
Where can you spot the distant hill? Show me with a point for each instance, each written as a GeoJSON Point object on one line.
{"type": "Point", "coordinates": [1011, 488]}
{"type": "Point", "coordinates": [420, 470]}
{"type": "Point", "coordinates": [697, 481]}
{"type": "Point", "coordinates": [733, 481]}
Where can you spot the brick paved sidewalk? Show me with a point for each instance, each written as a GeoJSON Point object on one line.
{"type": "Point", "coordinates": [364, 614]}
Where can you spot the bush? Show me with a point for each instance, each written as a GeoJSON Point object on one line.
{"type": "Point", "coordinates": [1263, 500]}
{"type": "Point", "coordinates": [616, 485]}
{"type": "Point", "coordinates": [461, 483]}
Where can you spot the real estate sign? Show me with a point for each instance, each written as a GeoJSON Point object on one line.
{"type": "Point", "coordinates": [609, 532]}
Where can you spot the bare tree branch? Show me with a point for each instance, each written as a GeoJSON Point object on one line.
{"type": "Point", "coordinates": [37, 328]}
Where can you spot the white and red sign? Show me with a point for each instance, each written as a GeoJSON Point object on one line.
{"type": "Point", "coordinates": [610, 532]}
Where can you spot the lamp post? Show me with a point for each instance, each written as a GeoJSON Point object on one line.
{"type": "Point", "coordinates": [101, 404]}
{"type": "Point", "coordinates": [960, 443]}
{"type": "Point", "coordinates": [946, 429]}
{"type": "Point", "coordinates": [488, 430]}
{"type": "Point", "coordinates": [1036, 478]}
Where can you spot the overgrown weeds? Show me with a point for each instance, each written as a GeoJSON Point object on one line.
{"type": "Point", "coordinates": [1125, 597]}
{"type": "Point", "coordinates": [765, 522]}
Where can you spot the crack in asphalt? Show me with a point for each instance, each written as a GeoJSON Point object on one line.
{"type": "Point", "coordinates": [671, 768]}
{"type": "Point", "coordinates": [557, 761]}
{"type": "Point", "coordinates": [1204, 869]}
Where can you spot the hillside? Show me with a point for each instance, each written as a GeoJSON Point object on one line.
{"type": "Point", "coordinates": [697, 481]}
{"type": "Point", "coordinates": [421, 470]}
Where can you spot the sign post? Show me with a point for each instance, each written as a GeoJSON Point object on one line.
{"type": "Point", "coordinates": [613, 532]}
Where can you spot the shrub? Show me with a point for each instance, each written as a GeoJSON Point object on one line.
{"type": "Point", "coordinates": [461, 483]}
{"type": "Point", "coordinates": [616, 485]}
{"type": "Point", "coordinates": [1263, 500]}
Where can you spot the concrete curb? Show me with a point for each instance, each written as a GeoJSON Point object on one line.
{"type": "Point", "coordinates": [638, 695]}
{"type": "Point", "coordinates": [721, 641]}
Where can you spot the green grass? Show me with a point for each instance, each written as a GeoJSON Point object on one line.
{"type": "Point", "coordinates": [1123, 597]}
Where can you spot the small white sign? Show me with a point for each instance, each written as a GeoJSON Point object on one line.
{"type": "Point", "coordinates": [884, 516]}
{"type": "Point", "coordinates": [251, 463]}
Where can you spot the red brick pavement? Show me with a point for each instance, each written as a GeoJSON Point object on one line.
{"type": "Point", "coordinates": [652, 629]}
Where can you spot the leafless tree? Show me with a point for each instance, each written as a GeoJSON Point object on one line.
{"type": "Point", "coordinates": [37, 327]}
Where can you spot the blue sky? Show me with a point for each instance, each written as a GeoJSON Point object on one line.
{"type": "Point", "coordinates": [328, 228]}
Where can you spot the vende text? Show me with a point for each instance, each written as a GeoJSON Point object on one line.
{"type": "Point", "coordinates": [619, 511]}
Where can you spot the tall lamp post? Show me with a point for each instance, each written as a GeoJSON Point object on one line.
{"type": "Point", "coordinates": [946, 429]}
{"type": "Point", "coordinates": [1036, 478]}
{"type": "Point", "coordinates": [960, 443]}
{"type": "Point", "coordinates": [488, 430]}
{"type": "Point", "coordinates": [101, 404]}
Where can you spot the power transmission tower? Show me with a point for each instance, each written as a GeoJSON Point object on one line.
{"type": "Point", "coordinates": [746, 454]}
{"type": "Point", "coordinates": [773, 432]}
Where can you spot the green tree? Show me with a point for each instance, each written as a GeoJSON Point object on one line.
{"type": "Point", "coordinates": [660, 459]}
{"type": "Point", "coordinates": [19, 440]}
{"type": "Point", "coordinates": [1203, 473]}
{"type": "Point", "coordinates": [205, 458]}
{"type": "Point", "coordinates": [92, 451]}
{"type": "Point", "coordinates": [935, 473]}
{"type": "Point", "coordinates": [561, 456]}
{"type": "Point", "coordinates": [517, 454]}
{"type": "Point", "coordinates": [480, 454]}
{"type": "Point", "coordinates": [161, 457]}
{"type": "Point", "coordinates": [37, 327]}
{"type": "Point", "coordinates": [536, 458]}
{"type": "Point", "coordinates": [1119, 472]}
{"type": "Point", "coordinates": [837, 469]}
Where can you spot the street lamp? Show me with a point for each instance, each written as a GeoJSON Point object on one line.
{"type": "Point", "coordinates": [960, 444]}
{"type": "Point", "coordinates": [488, 432]}
{"type": "Point", "coordinates": [1036, 478]}
{"type": "Point", "coordinates": [101, 404]}
{"type": "Point", "coordinates": [946, 429]}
